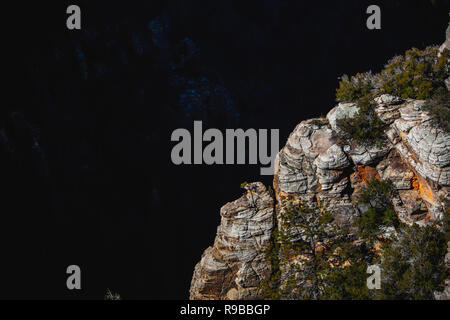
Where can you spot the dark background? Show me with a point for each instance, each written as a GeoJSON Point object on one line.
{"type": "Point", "coordinates": [87, 115]}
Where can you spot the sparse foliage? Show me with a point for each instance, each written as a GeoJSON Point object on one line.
{"type": "Point", "coordinates": [375, 197]}
{"type": "Point", "coordinates": [413, 265]}
{"type": "Point", "coordinates": [417, 74]}
{"type": "Point", "coordinates": [365, 127]}
{"type": "Point", "coordinates": [112, 296]}
{"type": "Point", "coordinates": [316, 258]}
{"type": "Point", "coordinates": [439, 108]}
{"type": "Point", "coordinates": [355, 87]}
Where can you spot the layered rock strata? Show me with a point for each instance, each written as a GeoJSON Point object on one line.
{"type": "Point", "coordinates": [235, 265]}
{"type": "Point", "coordinates": [316, 165]}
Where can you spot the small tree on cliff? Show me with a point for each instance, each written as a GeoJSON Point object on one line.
{"type": "Point", "coordinates": [378, 212]}
{"type": "Point", "coordinates": [413, 265]}
{"type": "Point", "coordinates": [318, 257]}
{"type": "Point", "coordinates": [365, 127]}
{"type": "Point", "coordinates": [439, 108]}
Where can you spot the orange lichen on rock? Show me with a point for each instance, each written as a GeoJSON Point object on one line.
{"type": "Point", "coordinates": [415, 183]}
{"type": "Point", "coordinates": [284, 196]}
{"type": "Point", "coordinates": [424, 189]}
{"type": "Point", "coordinates": [367, 173]}
{"type": "Point", "coordinates": [363, 174]}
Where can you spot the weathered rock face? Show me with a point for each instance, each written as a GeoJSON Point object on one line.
{"type": "Point", "coordinates": [234, 266]}
{"type": "Point", "coordinates": [317, 165]}
{"type": "Point", "coordinates": [414, 156]}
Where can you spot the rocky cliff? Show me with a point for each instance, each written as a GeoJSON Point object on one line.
{"type": "Point", "coordinates": [234, 267]}
{"type": "Point", "coordinates": [317, 166]}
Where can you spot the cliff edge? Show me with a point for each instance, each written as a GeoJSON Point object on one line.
{"type": "Point", "coordinates": [319, 167]}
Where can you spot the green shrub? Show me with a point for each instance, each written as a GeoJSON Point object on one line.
{"type": "Point", "coordinates": [413, 266]}
{"type": "Point", "coordinates": [377, 193]}
{"type": "Point", "coordinates": [417, 74]}
{"type": "Point", "coordinates": [352, 89]}
{"type": "Point", "coordinates": [349, 282]}
{"type": "Point", "coordinates": [376, 196]}
{"type": "Point", "coordinates": [439, 108]}
{"type": "Point", "coordinates": [365, 127]}
{"type": "Point", "coordinates": [334, 268]}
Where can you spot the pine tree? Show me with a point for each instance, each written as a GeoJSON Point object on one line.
{"type": "Point", "coordinates": [413, 264]}
{"type": "Point", "coordinates": [319, 257]}
{"type": "Point", "coordinates": [377, 211]}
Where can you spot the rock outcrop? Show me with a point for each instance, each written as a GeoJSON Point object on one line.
{"type": "Point", "coordinates": [315, 161]}
{"type": "Point", "coordinates": [234, 267]}
{"type": "Point", "coordinates": [317, 165]}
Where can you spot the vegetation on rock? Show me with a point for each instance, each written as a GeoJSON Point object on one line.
{"type": "Point", "coordinates": [365, 127]}
{"type": "Point", "coordinates": [375, 197]}
{"type": "Point", "coordinates": [351, 89]}
{"type": "Point", "coordinates": [439, 108]}
{"type": "Point", "coordinates": [269, 288]}
{"type": "Point", "coordinates": [418, 74]}
{"type": "Point", "coordinates": [314, 258]}
{"type": "Point", "coordinates": [318, 256]}
{"type": "Point", "coordinates": [413, 264]}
